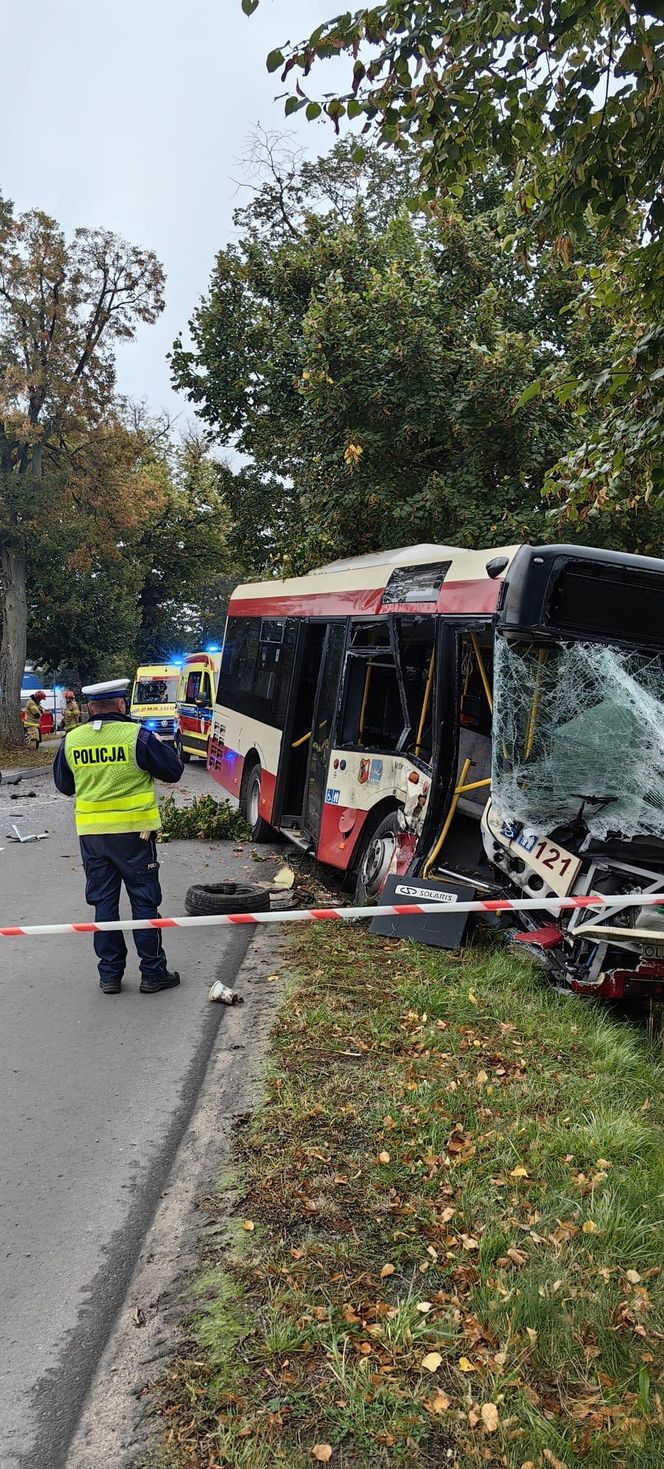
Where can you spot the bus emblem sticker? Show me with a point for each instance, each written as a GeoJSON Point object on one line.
{"type": "Point", "coordinates": [376, 770]}
{"type": "Point", "coordinates": [332, 797]}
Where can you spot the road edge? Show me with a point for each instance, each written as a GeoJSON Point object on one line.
{"type": "Point", "coordinates": [117, 1423]}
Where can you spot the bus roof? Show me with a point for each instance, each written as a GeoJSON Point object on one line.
{"type": "Point", "coordinates": [387, 581]}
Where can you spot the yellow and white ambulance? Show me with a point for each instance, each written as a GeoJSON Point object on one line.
{"type": "Point", "coordinates": [153, 698]}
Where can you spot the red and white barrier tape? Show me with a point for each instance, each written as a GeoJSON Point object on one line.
{"type": "Point", "coordinates": [345, 915]}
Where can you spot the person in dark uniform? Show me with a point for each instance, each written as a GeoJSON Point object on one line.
{"type": "Point", "coordinates": [110, 765]}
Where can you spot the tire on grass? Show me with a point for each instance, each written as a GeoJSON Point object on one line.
{"type": "Point", "coordinates": [226, 897]}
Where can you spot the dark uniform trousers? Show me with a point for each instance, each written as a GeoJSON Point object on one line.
{"type": "Point", "coordinates": [110, 861]}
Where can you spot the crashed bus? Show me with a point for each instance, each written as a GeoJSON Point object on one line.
{"type": "Point", "coordinates": [492, 718]}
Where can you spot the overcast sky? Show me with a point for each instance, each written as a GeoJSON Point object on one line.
{"type": "Point", "coordinates": [135, 115]}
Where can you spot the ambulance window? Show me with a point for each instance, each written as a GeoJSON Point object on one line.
{"type": "Point", "coordinates": [205, 691]}
{"type": "Point", "coordinates": [193, 685]}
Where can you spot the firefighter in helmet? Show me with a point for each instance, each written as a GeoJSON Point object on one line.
{"type": "Point", "coordinates": [72, 713]}
{"type": "Point", "coordinates": [32, 718]}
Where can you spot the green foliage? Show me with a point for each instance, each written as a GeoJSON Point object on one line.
{"type": "Point", "coordinates": [65, 459]}
{"type": "Point", "coordinates": [568, 100]}
{"type": "Point", "coordinates": [369, 366]}
{"type": "Point", "coordinates": [157, 583]}
{"type": "Point", "coordinates": [567, 97]}
{"type": "Point", "coordinates": [203, 818]}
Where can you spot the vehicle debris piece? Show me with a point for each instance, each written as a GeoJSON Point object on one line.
{"type": "Point", "coordinates": [39, 836]}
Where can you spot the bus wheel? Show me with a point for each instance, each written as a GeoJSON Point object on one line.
{"type": "Point", "coordinates": [376, 860]}
{"type": "Point", "coordinates": [250, 805]}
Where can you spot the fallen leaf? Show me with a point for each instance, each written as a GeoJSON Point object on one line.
{"type": "Point", "coordinates": [519, 1172]}
{"type": "Point", "coordinates": [517, 1258]}
{"type": "Point", "coordinates": [590, 1227]}
{"type": "Point", "coordinates": [632, 1276]}
{"type": "Point", "coordinates": [424, 1307]}
{"type": "Point", "coordinates": [489, 1415]}
{"type": "Point", "coordinates": [138, 1316]}
{"type": "Point", "coordinates": [322, 1452]}
{"type": "Point", "coordinates": [552, 1460]}
{"type": "Point", "coordinates": [481, 1078]}
{"type": "Point", "coordinates": [438, 1402]}
{"type": "Point", "coordinates": [431, 1362]}
{"type": "Point", "coordinates": [271, 978]}
{"type": "Point", "coordinates": [248, 1224]}
{"type": "Point", "coordinates": [447, 1214]}
{"type": "Point", "coordinates": [473, 1418]}
{"type": "Point", "coordinates": [465, 1365]}
{"type": "Point", "coordinates": [387, 1270]}
{"type": "Point", "coordinates": [472, 999]}
{"type": "Point", "coordinates": [383, 1157]}
{"type": "Point", "coordinates": [532, 1335]}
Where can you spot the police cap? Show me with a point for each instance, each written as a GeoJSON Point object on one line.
{"type": "Point", "coordinates": [116, 688]}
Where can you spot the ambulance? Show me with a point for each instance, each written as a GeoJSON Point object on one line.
{"type": "Point", "coordinates": [197, 688]}
{"type": "Point", "coordinates": [153, 698]}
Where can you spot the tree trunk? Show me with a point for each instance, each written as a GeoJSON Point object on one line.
{"type": "Point", "coordinates": [13, 643]}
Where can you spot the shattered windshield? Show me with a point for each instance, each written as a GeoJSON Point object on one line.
{"type": "Point", "coordinates": [155, 690]}
{"type": "Point", "coordinates": [579, 723]}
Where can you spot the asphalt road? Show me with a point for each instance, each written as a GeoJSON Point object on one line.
{"type": "Point", "coordinates": [95, 1093]}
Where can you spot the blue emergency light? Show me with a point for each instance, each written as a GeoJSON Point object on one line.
{"type": "Point", "coordinates": [213, 648]}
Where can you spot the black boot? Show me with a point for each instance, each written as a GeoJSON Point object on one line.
{"type": "Point", "coordinates": [166, 981]}
{"type": "Point", "coordinates": [110, 986]}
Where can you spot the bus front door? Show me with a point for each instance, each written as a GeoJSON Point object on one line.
{"type": "Point", "coordinates": [322, 729]}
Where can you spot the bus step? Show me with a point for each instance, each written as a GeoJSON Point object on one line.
{"type": "Point", "coordinates": [295, 835]}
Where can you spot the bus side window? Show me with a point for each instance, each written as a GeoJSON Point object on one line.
{"type": "Point", "coordinates": [372, 715]}
{"type": "Point", "coordinates": [416, 650]}
{"type": "Point", "coordinates": [256, 668]}
{"type": "Point", "coordinates": [476, 666]}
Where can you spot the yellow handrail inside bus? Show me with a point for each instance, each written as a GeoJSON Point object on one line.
{"type": "Point", "coordinates": [425, 704]}
{"type": "Point", "coordinates": [365, 696]}
{"type": "Point", "coordinates": [482, 669]}
{"type": "Point", "coordinates": [459, 791]}
{"type": "Point", "coordinates": [302, 740]}
{"type": "Point", "coordinates": [535, 703]}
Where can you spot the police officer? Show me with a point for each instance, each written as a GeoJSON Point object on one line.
{"type": "Point", "coordinates": [110, 765]}
{"type": "Point", "coordinates": [72, 713]}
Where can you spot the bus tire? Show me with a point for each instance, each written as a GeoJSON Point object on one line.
{"type": "Point", "coordinates": [226, 897]}
{"type": "Point", "coordinates": [375, 859]}
{"type": "Point", "coordinates": [250, 796]}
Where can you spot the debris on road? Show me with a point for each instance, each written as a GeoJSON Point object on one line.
{"type": "Point", "coordinates": [222, 995]}
{"type": "Point", "coordinates": [39, 836]}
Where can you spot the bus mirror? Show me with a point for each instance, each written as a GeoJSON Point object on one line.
{"type": "Point", "coordinates": [496, 566]}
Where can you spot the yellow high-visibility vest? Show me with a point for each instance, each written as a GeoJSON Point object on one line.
{"type": "Point", "coordinates": [113, 794]}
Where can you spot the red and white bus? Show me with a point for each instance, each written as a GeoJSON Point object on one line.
{"type": "Point", "coordinates": [491, 717]}
{"type": "Point", "coordinates": [343, 695]}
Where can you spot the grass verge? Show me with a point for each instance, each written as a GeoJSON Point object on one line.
{"type": "Point", "coordinates": [26, 758]}
{"type": "Point", "coordinates": [448, 1247]}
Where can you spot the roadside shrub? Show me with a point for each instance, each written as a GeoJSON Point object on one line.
{"type": "Point", "coordinates": [204, 819]}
